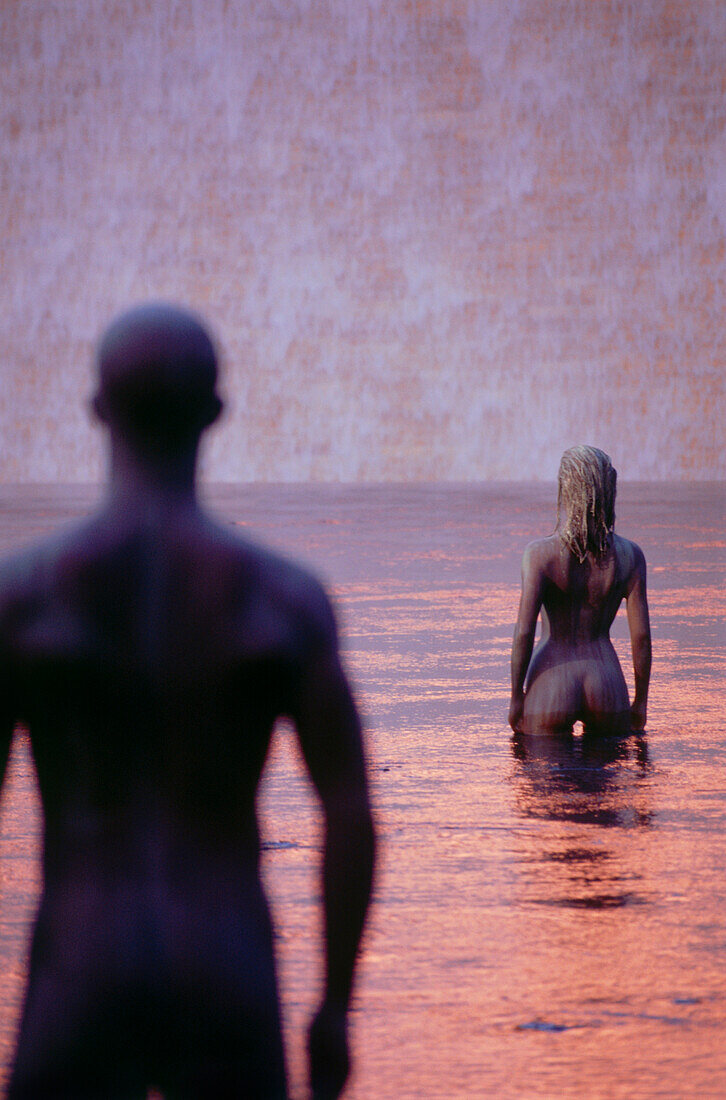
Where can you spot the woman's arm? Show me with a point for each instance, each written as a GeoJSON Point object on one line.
{"type": "Point", "coordinates": [639, 624]}
{"type": "Point", "coordinates": [529, 606]}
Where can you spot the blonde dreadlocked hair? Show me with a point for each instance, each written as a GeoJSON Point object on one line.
{"type": "Point", "coordinates": [586, 492]}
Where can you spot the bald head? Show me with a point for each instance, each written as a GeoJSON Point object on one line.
{"type": "Point", "coordinates": [157, 371]}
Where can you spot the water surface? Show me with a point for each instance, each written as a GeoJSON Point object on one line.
{"type": "Point", "coordinates": [547, 923]}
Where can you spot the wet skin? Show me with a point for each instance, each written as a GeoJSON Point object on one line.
{"type": "Point", "coordinates": [574, 674]}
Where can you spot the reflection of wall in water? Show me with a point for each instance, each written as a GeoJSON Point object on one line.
{"type": "Point", "coordinates": [436, 240]}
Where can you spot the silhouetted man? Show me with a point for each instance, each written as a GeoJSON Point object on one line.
{"type": "Point", "coordinates": [150, 652]}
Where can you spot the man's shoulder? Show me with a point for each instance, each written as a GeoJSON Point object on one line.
{"type": "Point", "coordinates": [280, 582]}
{"type": "Point", "coordinates": [294, 587]}
{"type": "Point", "coordinates": [226, 565]}
{"type": "Point", "coordinates": [33, 572]}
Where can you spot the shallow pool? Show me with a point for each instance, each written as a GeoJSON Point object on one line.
{"type": "Point", "coordinates": [547, 924]}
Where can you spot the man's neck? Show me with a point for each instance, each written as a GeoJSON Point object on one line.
{"type": "Point", "coordinates": [138, 484]}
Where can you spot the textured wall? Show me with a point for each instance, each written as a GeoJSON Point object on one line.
{"type": "Point", "coordinates": [435, 238]}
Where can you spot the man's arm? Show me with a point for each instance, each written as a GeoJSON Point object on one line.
{"type": "Point", "coordinates": [7, 717]}
{"type": "Point", "coordinates": [639, 625]}
{"type": "Point", "coordinates": [524, 632]}
{"type": "Point", "coordinates": [330, 736]}
{"type": "Point", "coordinates": [6, 736]}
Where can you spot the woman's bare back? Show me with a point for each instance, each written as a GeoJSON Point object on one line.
{"type": "Point", "coordinates": [574, 674]}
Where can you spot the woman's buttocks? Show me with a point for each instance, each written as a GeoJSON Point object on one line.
{"type": "Point", "coordinates": [573, 683]}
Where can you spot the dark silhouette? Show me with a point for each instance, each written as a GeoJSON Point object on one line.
{"type": "Point", "coordinates": [578, 578]}
{"type": "Point", "coordinates": [149, 652]}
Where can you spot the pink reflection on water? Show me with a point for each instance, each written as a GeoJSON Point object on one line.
{"type": "Point", "coordinates": [550, 919]}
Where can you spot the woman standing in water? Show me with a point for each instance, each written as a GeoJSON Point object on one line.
{"type": "Point", "coordinates": [578, 578]}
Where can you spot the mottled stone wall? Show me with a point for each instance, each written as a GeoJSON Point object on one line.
{"type": "Point", "coordinates": [436, 239]}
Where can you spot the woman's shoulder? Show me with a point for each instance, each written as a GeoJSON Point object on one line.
{"type": "Point", "coordinates": [539, 553]}
{"type": "Point", "coordinates": [629, 555]}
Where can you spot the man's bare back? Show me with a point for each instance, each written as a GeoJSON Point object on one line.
{"type": "Point", "coordinates": [574, 673]}
{"type": "Point", "coordinates": [150, 653]}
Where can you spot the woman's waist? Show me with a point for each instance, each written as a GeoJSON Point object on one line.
{"type": "Point", "coordinates": [578, 646]}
